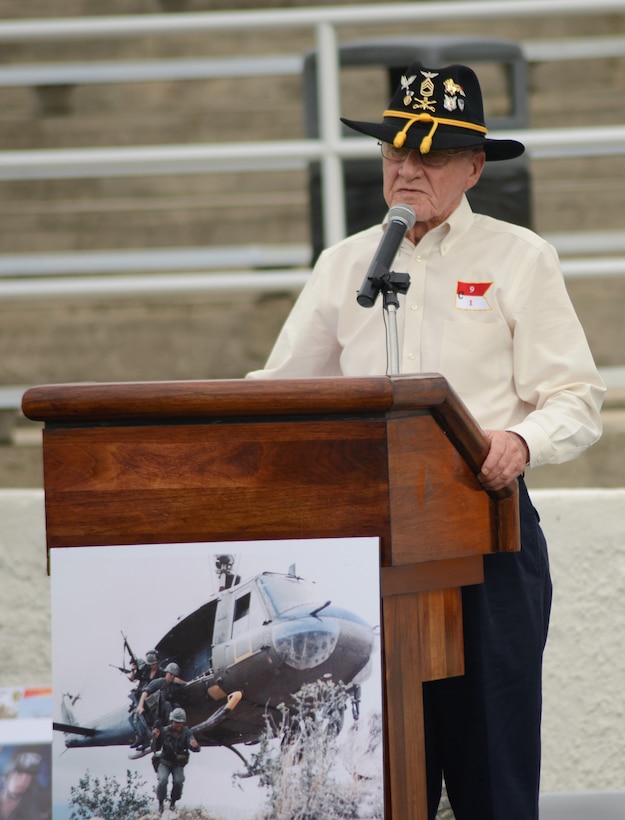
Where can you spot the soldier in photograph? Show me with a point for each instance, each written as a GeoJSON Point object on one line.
{"type": "Point", "coordinates": [22, 797]}
{"type": "Point", "coordinates": [158, 699]}
{"type": "Point", "coordinates": [171, 746]}
{"type": "Point", "coordinates": [144, 672]}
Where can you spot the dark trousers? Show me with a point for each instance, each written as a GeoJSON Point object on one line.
{"type": "Point", "coordinates": [483, 729]}
{"type": "Point", "coordinates": [177, 781]}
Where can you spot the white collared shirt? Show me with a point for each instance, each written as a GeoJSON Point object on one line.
{"type": "Point", "coordinates": [487, 308]}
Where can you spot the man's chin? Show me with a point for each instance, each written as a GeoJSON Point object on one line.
{"type": "Point", "coordinates": [415, 200]}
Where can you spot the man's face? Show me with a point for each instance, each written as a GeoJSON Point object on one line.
{"type": "Point", "coordinates": [433, 193]}
{"type": "Point", "coordinates": [169, 677]}
{"type": "Point", "coordinates": [177, 727]}
{"type": "Point", "coordinates": [18, 783]}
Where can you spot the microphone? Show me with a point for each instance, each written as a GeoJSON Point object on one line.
{"type": "Point", "coordinates": [400, 219]}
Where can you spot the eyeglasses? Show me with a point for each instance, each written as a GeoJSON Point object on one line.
{"type": "Point", "coordinates": [433, 159]}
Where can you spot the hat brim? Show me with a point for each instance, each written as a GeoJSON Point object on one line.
{"type": "Point", "coordinates": [444, 137]}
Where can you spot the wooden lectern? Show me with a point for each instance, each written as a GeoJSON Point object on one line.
{"type": "Point", "coordinates": [394, 457]}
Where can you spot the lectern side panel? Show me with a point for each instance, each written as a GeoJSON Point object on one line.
{"type": "Point", "coordinates": [190, 482]}
{"type": "Point", "coordinates": [439, 510]}
{"type": "Point", "coordinates": [441, 638]}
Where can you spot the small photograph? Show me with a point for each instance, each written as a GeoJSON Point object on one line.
{"type": "Point", "coordinates": [212, 681]}
{"type": "Point", "coordinates": [25, 781]}
{"type": "Point", "coordinates": [25, 753]}
{"type": "Point", "coordinates": [25, 702]}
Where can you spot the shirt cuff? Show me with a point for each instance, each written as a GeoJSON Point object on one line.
{"type": "Point", "coordinates": [538, 442]}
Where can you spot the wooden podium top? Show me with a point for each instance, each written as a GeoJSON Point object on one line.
{"type": "Point", "coordinates": [151, 401]}
{"type": "Point", "coordinates": [373, 454]}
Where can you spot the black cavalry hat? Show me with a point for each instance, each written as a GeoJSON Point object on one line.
{"type": "Point", "coordinates": [438, 108]}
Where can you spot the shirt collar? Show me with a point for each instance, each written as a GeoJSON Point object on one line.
{"type": "Point", "coordinates": [456, 224]}
{"type": "Point", "coordinates": [448, 232]}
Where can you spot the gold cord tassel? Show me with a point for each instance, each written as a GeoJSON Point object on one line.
{"type": "Point", "coordinates": [426, 143]}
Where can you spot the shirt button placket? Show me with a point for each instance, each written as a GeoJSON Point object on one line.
{"type": "Point", "coordinates": [411, 354]}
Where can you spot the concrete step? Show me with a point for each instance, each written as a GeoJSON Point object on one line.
{"type": "Point", "coordinates": [266, 208]}
{"type": "Point", "coordinates": [602, 465]}
{"type": "Point", "coordinates": [178, 212]}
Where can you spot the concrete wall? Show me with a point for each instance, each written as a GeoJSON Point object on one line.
{"type": "Point", "coordinates": [584, 710]}
{"type": "Point", "coordinates": [584, 721]}
{"type": "Point", "coordinates": [24, 590]}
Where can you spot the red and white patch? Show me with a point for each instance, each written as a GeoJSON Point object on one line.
{"type": "Point", "coordinates": [472, 296]}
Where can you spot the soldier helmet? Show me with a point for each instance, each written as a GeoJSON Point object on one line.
{"type": "Point", "coordinates": [151, 656]}
{"type": "Point", "coordinates": [172, 668]}
{"type": "Point", "coordinates": [26, 762]}
{"type": "Point", "coordinates": [178, 715]}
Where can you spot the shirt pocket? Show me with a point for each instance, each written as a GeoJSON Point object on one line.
{"type": "Point", "coordinates": [476, 356]}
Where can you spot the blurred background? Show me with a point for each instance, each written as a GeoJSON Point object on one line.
{"type": "Point", "coordinates": [161, 204]}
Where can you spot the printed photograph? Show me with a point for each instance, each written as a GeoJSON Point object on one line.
{"type": "Point", "coordinates": [22, 703]}
{"type": "Point", "coordinates": [25, 753]}
{"type": "Point", "coordinates": [25, 782]}
{"type": "Point", "coordinates": [212, 681]}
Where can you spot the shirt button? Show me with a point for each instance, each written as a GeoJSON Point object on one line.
{"type": "Point", "coordinates": [412, 356]}
{"type": "Point", "coordinates": [414, 307]}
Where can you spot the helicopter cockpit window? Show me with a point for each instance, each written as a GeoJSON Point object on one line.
{"type": "Point", "coordinates": [242, 607]}
{"type": "Point", "coordinates": [283, 593]}
{"type": "Point", "coordinates": [247, 610]}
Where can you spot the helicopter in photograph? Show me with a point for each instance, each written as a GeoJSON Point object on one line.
{"type": "Point", "coordinates": [244, 654]}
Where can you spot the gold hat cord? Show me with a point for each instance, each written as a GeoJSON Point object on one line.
{"type": "Point", "coordinates": [426, 142]}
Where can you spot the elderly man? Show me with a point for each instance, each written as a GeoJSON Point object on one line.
{"type": "Point", "coordinates": [487, 308]}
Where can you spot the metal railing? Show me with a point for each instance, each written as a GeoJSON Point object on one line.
{"type": "Point", "coordinates": [216, 270]}
{"type": "Point", "coordinates": [261, 65]}
{"type": "Point", "coordinates": [168, 25]}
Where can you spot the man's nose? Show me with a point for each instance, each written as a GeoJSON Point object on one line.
{"type": "Point", "coordinates": [412, 164]}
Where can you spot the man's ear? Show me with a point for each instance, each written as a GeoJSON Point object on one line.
{"type": "Point", "coordinates": [477, 159]}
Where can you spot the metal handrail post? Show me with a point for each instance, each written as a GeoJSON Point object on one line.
{"type": "Point", "coordinates": [329, 106]}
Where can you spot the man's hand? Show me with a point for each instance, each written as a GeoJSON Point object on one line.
{"type": "Point", "coordinates": [506, 459]}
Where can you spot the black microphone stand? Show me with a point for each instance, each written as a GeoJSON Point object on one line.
{"type": "Point", "coordinates": [389, 283]}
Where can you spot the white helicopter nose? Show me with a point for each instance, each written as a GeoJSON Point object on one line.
{"type": "Point", "coordinates": [305, 643]}
{"type": "Point", "coordinates": [309, 642]}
